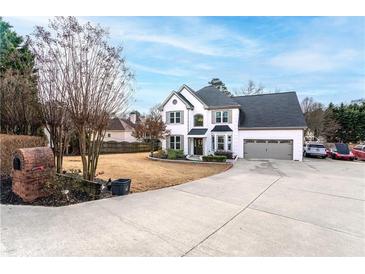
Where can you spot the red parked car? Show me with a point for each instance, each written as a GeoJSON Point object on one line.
{"type": "Point", "coordinates": [341, 151]}
{"type": "Point", "coordinates": [359, 152]}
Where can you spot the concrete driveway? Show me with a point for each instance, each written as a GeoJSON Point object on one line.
{"type": "Point", "coordinates": [257, 208]}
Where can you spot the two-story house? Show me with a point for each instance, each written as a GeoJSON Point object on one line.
{"type": "Point", "coordinates": [253, 127]}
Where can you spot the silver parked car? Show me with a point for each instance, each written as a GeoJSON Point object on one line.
{"type": "Point", "coordinates": [315, 150]}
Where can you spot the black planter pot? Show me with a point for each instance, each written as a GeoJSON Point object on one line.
{"type": "Point", "coordinates": [120, 187]}
{"type": "Point", "coordinates": [109, 184]}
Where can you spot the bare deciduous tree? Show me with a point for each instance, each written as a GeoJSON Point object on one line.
{"type": "Point", "coordinates": [251, 89]}
{"type": "Point", "coordinates": [313, 114]}
{"type": "Point", "coordinates": [93, 76]}
{"type": "Point", "coordinates": [151, 129]}
{"type": "Point", "coordinates": [52, 96]}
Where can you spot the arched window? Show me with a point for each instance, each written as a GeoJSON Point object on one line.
{"type": "Point", "coordinates": [198, 120]}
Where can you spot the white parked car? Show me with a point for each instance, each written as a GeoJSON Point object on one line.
{"type": "Point", "coordinates": [314, 149]}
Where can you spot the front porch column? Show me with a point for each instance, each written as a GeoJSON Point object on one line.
{"type": "Point", "coordinates": [189, 149]}
{"type": "Point", "coordinates": [226, 142]}
{"type": "Point", "coordinates": [204, 142]}
{"type": "Point", "coordinates": [215, 142]}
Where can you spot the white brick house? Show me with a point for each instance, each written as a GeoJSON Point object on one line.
{"type": "Point", "coordinates": [256, 126]}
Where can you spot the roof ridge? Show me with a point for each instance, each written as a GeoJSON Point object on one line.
{"type": "Point", "coordinates": [207, 87]}
{"type": "Point", "coordinates": [262, 94]}
{"type": "Point", "coordinates": [207, 94]}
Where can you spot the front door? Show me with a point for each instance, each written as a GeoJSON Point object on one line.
{"type": "Point", "coordinates": [198, 146]}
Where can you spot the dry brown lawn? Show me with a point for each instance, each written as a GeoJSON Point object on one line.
{"type": "Point", "coordinates": [146, 174]}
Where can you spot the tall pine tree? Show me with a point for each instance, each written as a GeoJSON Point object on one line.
{"type": "Point", "coordinates": [20, 112]}
{"type": "Point", "coordinates": [216, 82]}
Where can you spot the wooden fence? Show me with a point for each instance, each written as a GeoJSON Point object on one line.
{"type": "Point", "coordinates": [126, 147]}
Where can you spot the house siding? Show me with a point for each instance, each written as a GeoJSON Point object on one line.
{"type": "Point", "coordinates": [119, 136]}
{"type": "Point", "coordinates": [176, 129]}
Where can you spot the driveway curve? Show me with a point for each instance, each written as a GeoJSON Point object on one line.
{"type": "Point", "coordinates": [257, 208]}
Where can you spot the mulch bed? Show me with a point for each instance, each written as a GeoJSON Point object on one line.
{"type": "Point", "coordinates": [73, 197]}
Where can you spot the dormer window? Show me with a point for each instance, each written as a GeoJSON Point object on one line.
{"type": "Point", "coordinates": [198, 120]}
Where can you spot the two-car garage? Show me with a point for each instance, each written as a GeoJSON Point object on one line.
{"type": "Point", "coordinates": [268, 149]}
{"type": "Point", "coordinates": [283, 144]}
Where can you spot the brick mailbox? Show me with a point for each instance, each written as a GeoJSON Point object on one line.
{"type": "Point", "coordinates": [32, 167]}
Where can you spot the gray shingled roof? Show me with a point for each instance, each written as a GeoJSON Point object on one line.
{"type": "Point", "coordinates": [115, 124]}
{"type": "Point", "coordinates": [270, 110]}
{"type": "Point", "coordinates": [212, 97]}
{"type": "Point", "coordinates": [221, 128]}
{"type": "Point", "coordinates": [197, 131]}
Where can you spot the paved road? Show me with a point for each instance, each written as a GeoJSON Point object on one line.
{"type": "Point", "coordinates": [257, 208]}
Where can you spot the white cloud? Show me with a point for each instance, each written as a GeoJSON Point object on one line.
{"type": "Point", "coordinates": [202, 66]}
{"type": "Point", "coordinates": [312, 60]}
{"type": "Point", "coordinates": [176, 72]}
{"type": "Point", "coordinates": [191, 35]}
{"type": "Point", "coordinates": [174, 41]}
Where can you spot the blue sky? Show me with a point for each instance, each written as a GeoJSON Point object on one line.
{"type": "Point", "coordinates": [321, 57]}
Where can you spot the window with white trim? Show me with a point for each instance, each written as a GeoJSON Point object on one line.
{"type": "Point", "coordinates": [221, 117]}
{"type": "Point", "coordinates": [175, 142]}
{"type": "Point", "coordinates": [175, 117]}
{"type": "Point", "coordinates": [229, 142]}
{"type": "Point", "coordinates": [218, 117]}
{"type": "Point", "coordinates": [225, 116]}
{"type": "Point", "coordinates": [220, 142]}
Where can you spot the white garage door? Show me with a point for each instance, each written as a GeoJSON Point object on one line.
{"type": "Point", "coordinates": [268, 149]}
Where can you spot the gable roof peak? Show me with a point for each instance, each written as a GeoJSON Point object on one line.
{"type": "Point", "coordinates": [178, 95]}
{"type": "Point", "coordinates": [187, 87]}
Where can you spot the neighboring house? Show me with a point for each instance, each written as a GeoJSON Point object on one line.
{"type": "Point", "coordinates": [120, 129]}
{"type": "Point", "coordinates": [256, 126]}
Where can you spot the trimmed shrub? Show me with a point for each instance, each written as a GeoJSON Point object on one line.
{"type": "Point", "coordinates": [10, 143]}
{"type": "Point", "coordinates": [73, 182]}
{"type": "Point", "coordinates": [228, 154]}
{"type": "Point", "coordinates": [174, 154]}
{"type": "Point", "coordinates": [214, 158]}
{"type": "Point", "coordinates": [160, 154]}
